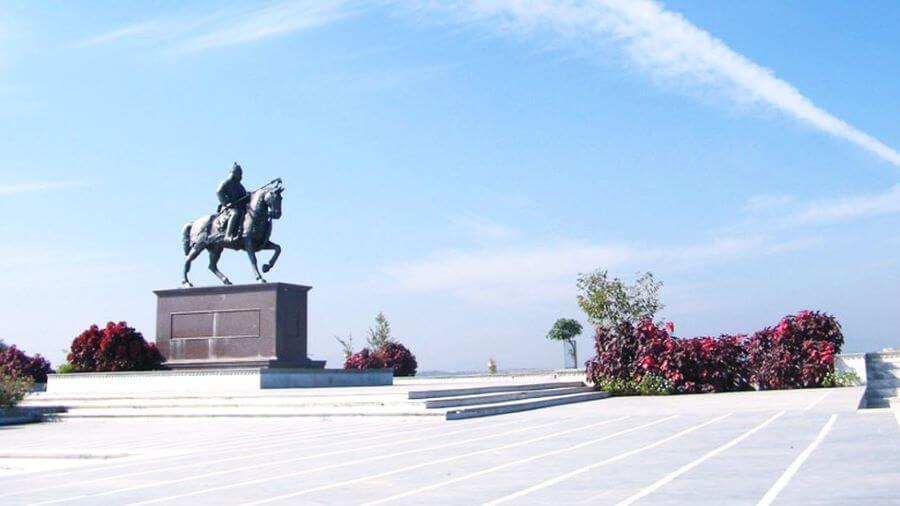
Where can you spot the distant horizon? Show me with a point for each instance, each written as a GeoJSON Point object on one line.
{"type": "Point", "coordinates": [456, 166]}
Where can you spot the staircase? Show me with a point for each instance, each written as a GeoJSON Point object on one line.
{"type": "Point", "coordinates": [882, 379]}
{"type": "Point", "coordinates": [449, 398]}
{"type": "Point", "coordinates": [474, 402]}
{"type": "Point", "coordinates": [288, 402]}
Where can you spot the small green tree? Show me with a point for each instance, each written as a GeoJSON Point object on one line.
{"type": "Point", "coordinates": [346, 345]}
{"type": "Point", "coordinates": [609, 303]}
{"type": "Point", "coordinates": [565, 329]}
{"type": "Point", "coordinates": [3, 346]}
{"type": "Point", "coordinates": [380, 335]}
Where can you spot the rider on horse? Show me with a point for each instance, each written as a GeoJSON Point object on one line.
{"type": "Point", "coordinates": [233, 196]}
{"type": "Point", "coordinates": [245, 217]}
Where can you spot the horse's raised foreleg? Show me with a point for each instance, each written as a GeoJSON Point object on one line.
{"type": "Point", "coordinates": [214, 255]}
{"type": "Point", "coordinates": [192, 254]}
{"type": "Point", "coordinates": [251, 253]}
{"type": "Point", "coordinates": [271, 245]}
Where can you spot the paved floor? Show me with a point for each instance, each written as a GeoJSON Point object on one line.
{"type": "Point", "coordinates": [803, 447]}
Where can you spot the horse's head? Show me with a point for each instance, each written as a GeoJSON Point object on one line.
{"type": "Point", "coordinates": [273, 201]}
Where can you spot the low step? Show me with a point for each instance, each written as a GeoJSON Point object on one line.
{"type": "Point", "coordinates": [459, 392]}
{"type": "Point", "coordinates": [216, 403]}
{"type": "Point", "coordinates": [477, 400]}
{"type": "Point", "coordinates": [884, 374]}
{"type": "Point", "coordinates": [247, 412]}
{"type": "Point", "coordinates": [501, 409]}
{"type": "Point", "coordinates": [878, 365]}
{"type": "Point", "coordinates": [884, 393]}
{"type": "Point", "coordinates": [890, 382]}
{"type": "Point", "coordinates": [877, 402]}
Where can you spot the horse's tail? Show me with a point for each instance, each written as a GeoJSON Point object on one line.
{"type": "Point", "coordinates": [186, 238]}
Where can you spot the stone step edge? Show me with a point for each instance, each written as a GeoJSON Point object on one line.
{"type": "Point", "coordinates": [229, 405]}
{"type": "Point", "coordinates": [76, 414]}
{"type": "Point", "coordinates": [883, 383]}
{"type": "Point", "coordinates": [882, 392]}
{"type": "Point", "coordinates": [502, 409]}
{"type": "Point", "coordinates": [882, 366]}
{"type": "Point", "coordinates": [478, 400]}
{"type": "Point", "coordinates": [262, 394]}
{"type": "Point", "coordinates": [883, 375]}
{"type": "Point", "coordinates": [458, 392]}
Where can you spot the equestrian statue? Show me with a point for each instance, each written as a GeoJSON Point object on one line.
{"type": "Point", "coordinates": [243, 222]}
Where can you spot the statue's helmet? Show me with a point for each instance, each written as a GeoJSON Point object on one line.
{"type": "Point", "coordinates": [236, 170]}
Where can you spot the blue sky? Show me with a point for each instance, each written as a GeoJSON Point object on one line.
{"type": "Point", "coordinates": [457, 164]}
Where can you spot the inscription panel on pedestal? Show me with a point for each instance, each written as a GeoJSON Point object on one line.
{"type": "Point", "coordinates": [235, 323]}
{"type": "Point", "coordinates": [192, 325]}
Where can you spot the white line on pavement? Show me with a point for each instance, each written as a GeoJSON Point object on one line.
{"type": "Point", "coordinates": [518, 462]}
{"type": "Point", "coordinates": [145, 460]}
{"type": "Point", "coordinates": [243, 456]}
{"type": "Point", "coordinates": [412, 467]}
{"type": "Point", "coordinates": [156, 446]}
{"type": "Point", "coordinates": [210, 444]}
{"type": "Point", "coordinates": [558, 479]}
{"type": "Point", "coordinates": [818, 400]}
{"type": "Point", "coordinates": [683, 469]}
{"type": "Point", "coordinates": [795, 465]}
{"type": "Point", "coordinates": [357, 449]}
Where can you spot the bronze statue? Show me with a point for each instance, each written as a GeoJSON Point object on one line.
{"type": "Point", "coordinates": [244, 222]}
{"type": "Point", "coordinates": [230, 193]}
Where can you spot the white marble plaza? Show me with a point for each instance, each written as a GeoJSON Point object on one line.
{"type": "Point", "coordinates": [782, 447]}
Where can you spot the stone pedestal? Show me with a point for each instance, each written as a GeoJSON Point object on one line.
{"type": "Point", "coordinates": [260, 325]}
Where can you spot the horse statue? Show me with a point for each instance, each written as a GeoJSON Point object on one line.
{"type": "Point", "coordinates": [209, 233]}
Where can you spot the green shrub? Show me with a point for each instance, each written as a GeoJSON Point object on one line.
{"type": "Point", "coordinates": [649, 384]}
{"type": "Point", "coordinates": [835, 379]}
{"type": "Point", "coordinates": [65, 368]}
{"type": "Point", "coordinates": [13, 390]}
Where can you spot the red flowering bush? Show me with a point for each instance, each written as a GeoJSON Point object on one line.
{"type": "Point", "coordinates": [392, 356]}
{"type": "Point", "coordinates": [706, 364]}
{"type": "Point", "coordinates": [616, 354]}
{"type": "Point", "coordinates": [383, 352]}
{"type": "Point", "coordinates": [364, 359]}
{"type": "Point", "coordinates": [15, 364]}
{"type": "Point", "coordinates": [702, 364]}
{"type": "Point", "coordinates": [798, 353]}
{"type": "Point", "coordinates": [399, 358]}
{"type": "Point", "coordinates": [116, 347]}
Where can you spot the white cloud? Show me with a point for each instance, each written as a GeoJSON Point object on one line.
{"type": "Point", "coordinates": [662, 43]}
{"type": "Point", "coordinates": [532, 274]}
{"type": "Point", "coordinates": [271, 21]}
{"type": "Point", "coordinates": [134, 30]}
{"type": "Point", "coordinates": [232, 26]}
{"type": "Point", "coordinates": [12, 189]}
{"type": "Point", "coordinates": [457, 269]}
{"type": "Point", "coordinates": [848, 208]}
{"type": "Point", "coordinates": [484, 228]}
{"type": "Point", "coordinates": [666, 45]}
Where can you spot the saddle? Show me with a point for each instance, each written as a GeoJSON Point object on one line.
{"type": "Point", "coordinates": [219, 223]}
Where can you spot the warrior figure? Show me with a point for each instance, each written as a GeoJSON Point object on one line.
{"type": "Point", "coordinates": [232, 199]}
